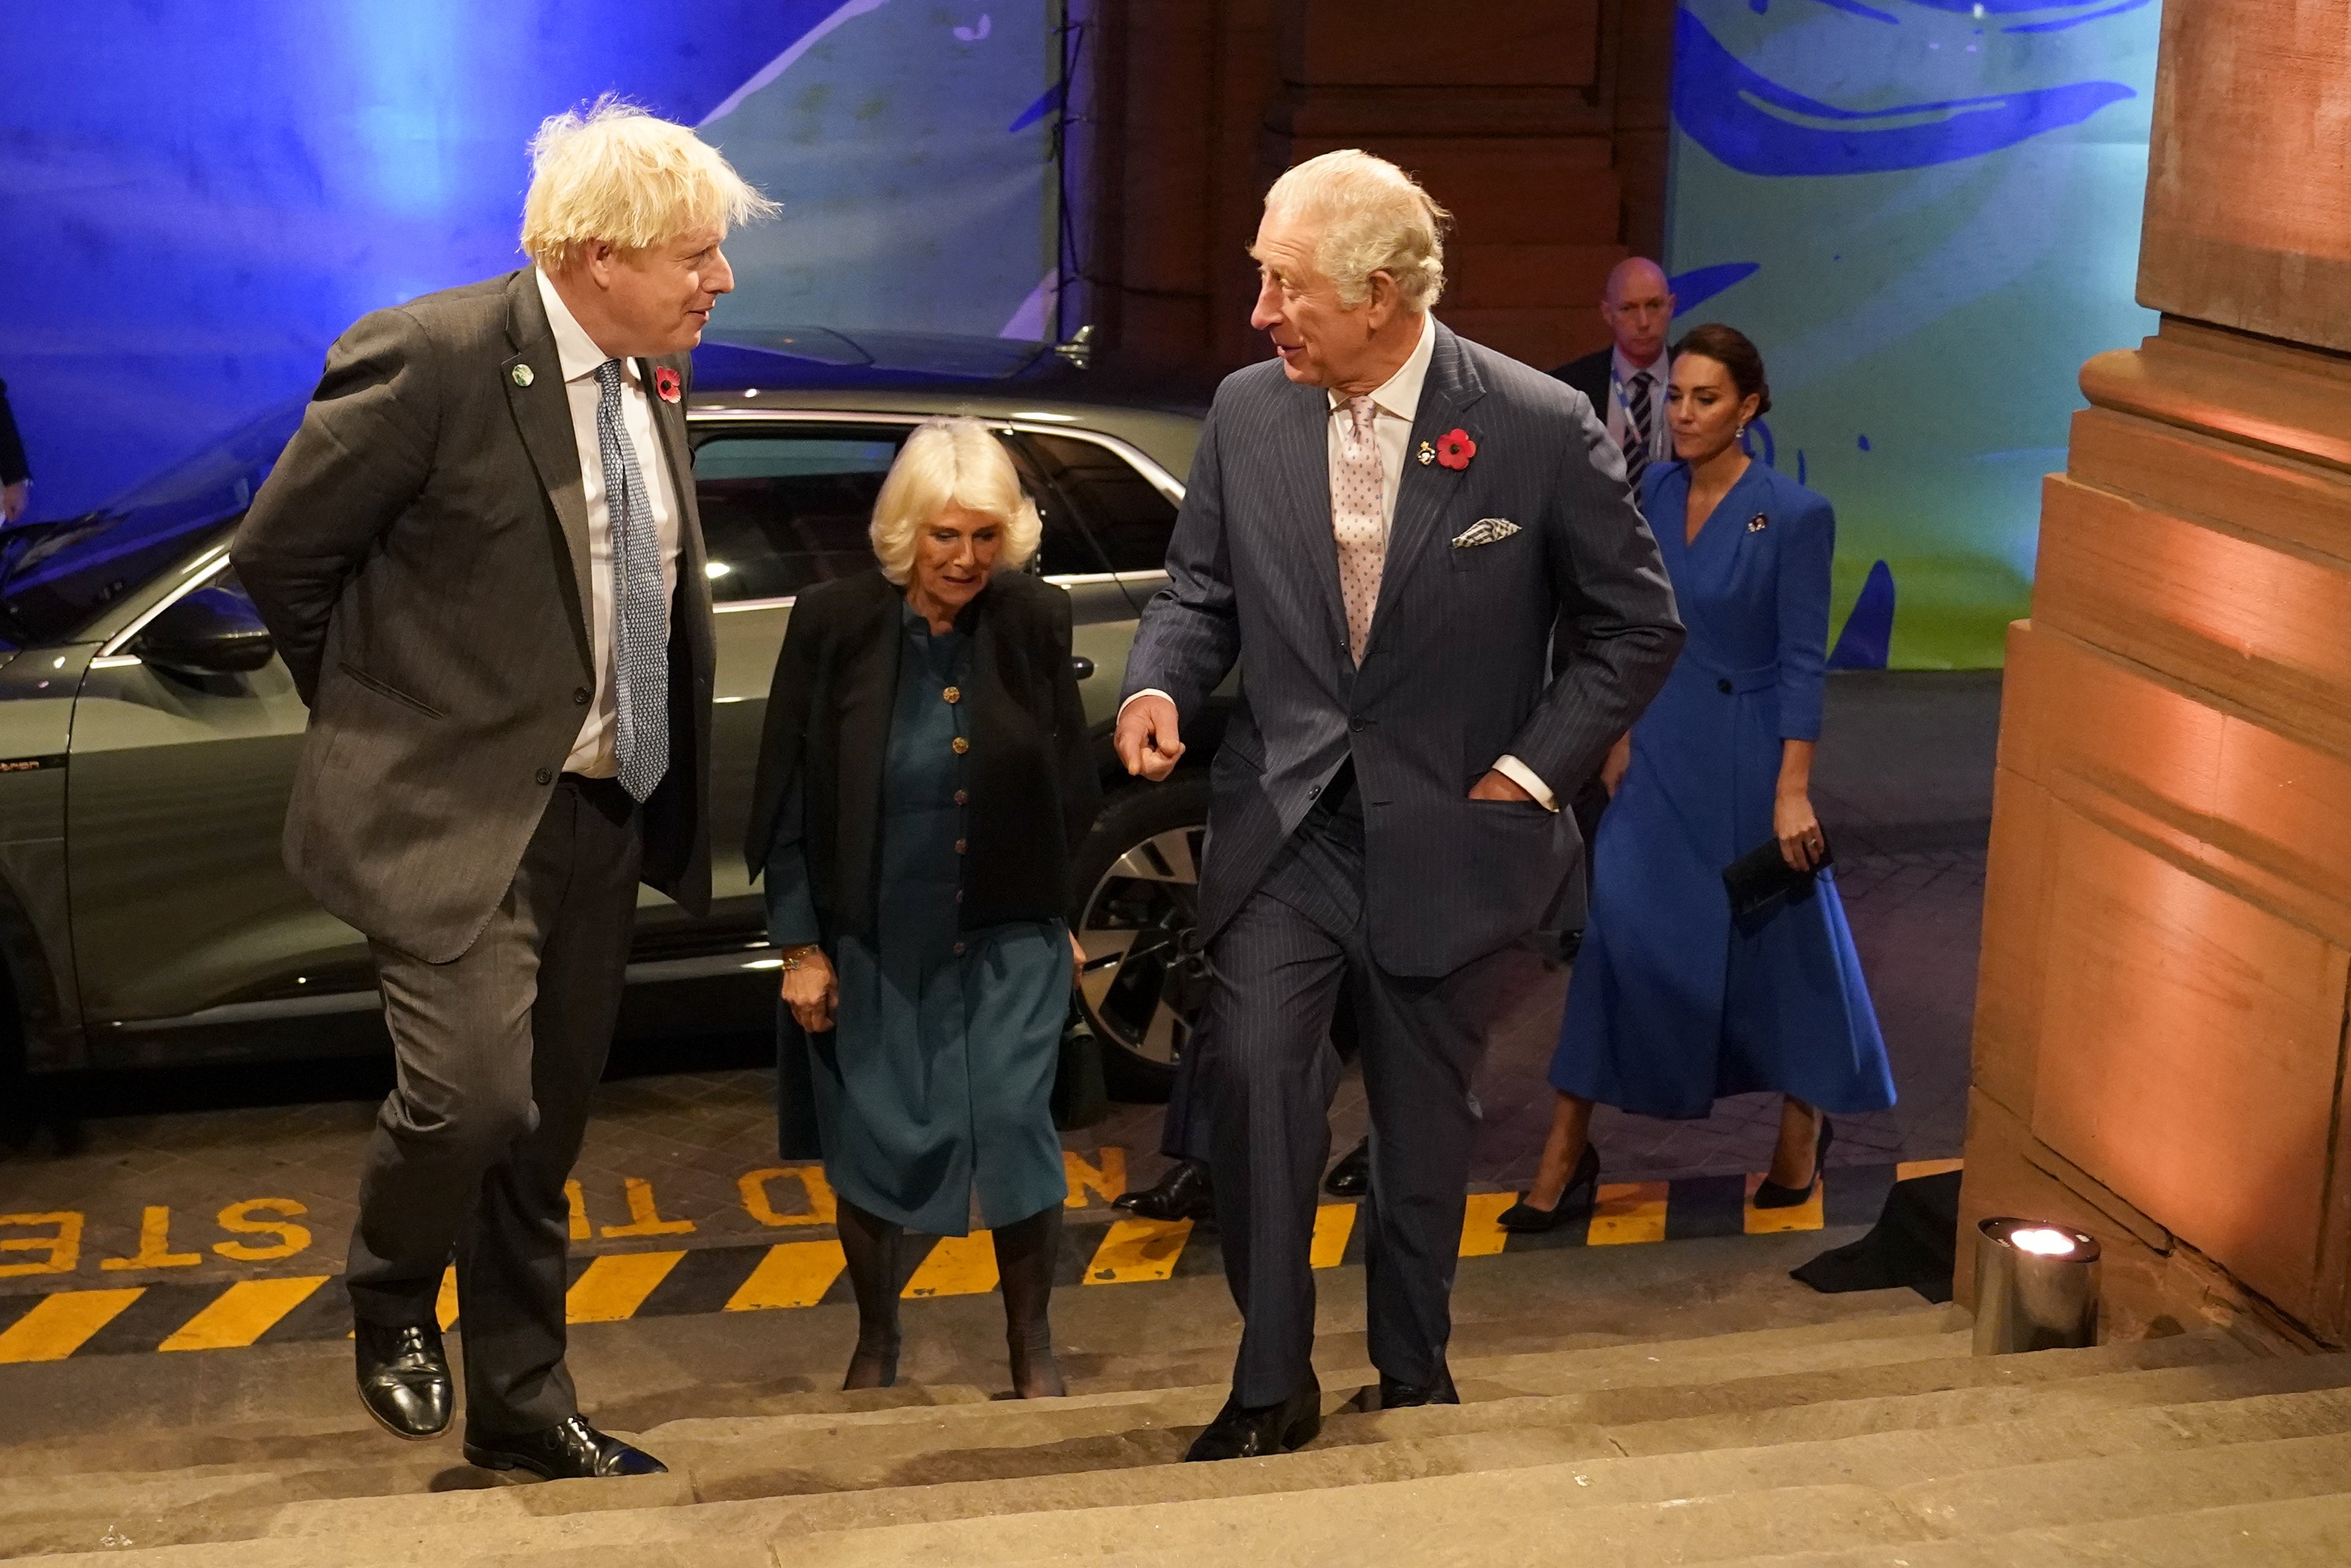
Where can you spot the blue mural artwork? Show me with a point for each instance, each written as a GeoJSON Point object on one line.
{"type": "Point", "coordinates": [1926, 214]}
{"type": "Point", "coordinates": [1758, 127]}
{"type": "Point", "coordinates": [201, 195]}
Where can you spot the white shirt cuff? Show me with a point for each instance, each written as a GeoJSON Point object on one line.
{"type": "Point", "coordinates": [1145, 692]}
{"type": "Point", "coordinates": [1519, 774]}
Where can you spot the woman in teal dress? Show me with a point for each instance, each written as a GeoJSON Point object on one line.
{"type": "Point", "coordinates": [923, 777]}
{"type": "Point", "coordinates": [1674, 1004]}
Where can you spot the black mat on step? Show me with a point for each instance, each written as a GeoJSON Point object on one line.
{"type": "Point", "coordinates": [1914, 1243]}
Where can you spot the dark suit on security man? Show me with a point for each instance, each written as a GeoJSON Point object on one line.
{"type": "Point", "coordinates": [481, 562]}
{"type": "Point", "coordinates": [1381, 530]}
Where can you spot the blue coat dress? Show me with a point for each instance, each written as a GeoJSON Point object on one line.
{"type": "Point", "coordinates": [1671, 1005]}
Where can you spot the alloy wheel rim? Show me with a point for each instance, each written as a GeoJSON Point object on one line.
{"type": "Point", "coordinates": [1144, 984]}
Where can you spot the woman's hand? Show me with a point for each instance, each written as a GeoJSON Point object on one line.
{"type": "Point", "coordinates": [1619, 759]}
{"type": "Point", "coordinates": [1077, 958]}
{"type": "Point", "coordinates": [812, 992]}
{"type": "Point", "coordinates": [1798, 830]}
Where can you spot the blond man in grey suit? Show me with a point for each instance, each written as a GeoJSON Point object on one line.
{"type": "Point", "coordinates": [480, 559]}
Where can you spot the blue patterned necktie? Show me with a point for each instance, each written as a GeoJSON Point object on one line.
{"type": "Point", "coordinates": [1637, 434]}
{"type": "Point", "coordinates": [639, 615]}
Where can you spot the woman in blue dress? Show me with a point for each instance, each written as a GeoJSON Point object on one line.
{"type": "Point", "coordinates": [924, 774]}
{"type": "Point", "coordinates": [1673, 1003]}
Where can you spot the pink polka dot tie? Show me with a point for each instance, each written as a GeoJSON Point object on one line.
{"type": "Point", "coordinates": [1359, 520]}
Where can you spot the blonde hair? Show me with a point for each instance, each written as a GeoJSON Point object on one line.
{"type": "Point", "coordinates": [1374, 217]}
{"type": "Point", "coordinates": [619, 175]}
{"type": "Point", "coordinates": [951, 463]}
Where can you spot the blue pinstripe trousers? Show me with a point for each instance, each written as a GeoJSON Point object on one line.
{"type": "Point", "coordinates": [1281, 963]}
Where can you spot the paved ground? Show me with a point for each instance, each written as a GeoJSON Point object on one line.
{"type": "Point", "coordinates": [676, 1159]}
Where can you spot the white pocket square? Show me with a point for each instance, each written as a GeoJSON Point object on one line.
{"type": "Point", "coordinates": [1485, 532]}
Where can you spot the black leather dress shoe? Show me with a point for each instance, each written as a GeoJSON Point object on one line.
{"type": "Point", "coordinates": [1352, 1176]}
{"type": "Point", "coordinates": [1241, 1433]}
{"type": "Point", "coordinates": [1388, 1394]}
{"type": "Point", "coordinates": [1525, 1218]}
{"type": "Point", "coordinates": [570, 1451]}
{"type": "Point", "coordinates": [1186, 1192]}
{"type": "Point", "coordinates": [404, 1378]}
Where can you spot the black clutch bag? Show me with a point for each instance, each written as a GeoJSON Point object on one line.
{"type": "Point", "coordinates": [1761, 876]}
{"type": "Point", "coordinates": [1081, 1095]}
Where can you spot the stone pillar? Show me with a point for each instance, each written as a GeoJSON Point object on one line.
{"type": "Point", "coordinates": [2159, 1047]}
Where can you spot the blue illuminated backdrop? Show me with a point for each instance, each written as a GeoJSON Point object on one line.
{"type": "Point", "coordinates": [201, 194]}
{"type": "Point", "coordinates": [1927, 214]}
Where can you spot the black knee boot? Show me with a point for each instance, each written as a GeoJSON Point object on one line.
{"type": "Point", "coordinates": [1025, 1256]}
{"type": "Point", "coordinates": [871, 1246]}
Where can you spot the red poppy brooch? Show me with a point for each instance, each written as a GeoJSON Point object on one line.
{"type": "Point", "coordinates": [665, 382]}
{"type": "Point", "coordinates": [1454, 449]}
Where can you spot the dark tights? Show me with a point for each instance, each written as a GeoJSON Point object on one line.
{"type": "Point", "coordinates": [1025, 1255]}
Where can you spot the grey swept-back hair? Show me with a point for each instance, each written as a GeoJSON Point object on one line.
{"type": "Point", "coordinates": [1374, 217]}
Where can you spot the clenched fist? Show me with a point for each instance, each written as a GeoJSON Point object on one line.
{"type": "Point", "coordinates": [1146, 738]}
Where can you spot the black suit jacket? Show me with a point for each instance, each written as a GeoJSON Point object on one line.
{"type": "Point", "coordinates": [421, 555]}
{"type": "Point", "coordinates": [1033, 790]}
{"type": "Point", "coordinates": [1454, 674]}
{"type": "Point", "coordinates": [1589, 375]}
{"type": "Point", "coordinates": [13, 467]}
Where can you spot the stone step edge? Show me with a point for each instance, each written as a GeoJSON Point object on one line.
{"type": "Point", "coordinates": [306, 1520]}
{"type": "Point", "coordinates": [964, 1398]}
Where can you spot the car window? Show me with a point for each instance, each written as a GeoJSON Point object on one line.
{"type": "Point", "coordinates": [784, 509]}
{"type": "Point", "coordinates": [1125, 514]}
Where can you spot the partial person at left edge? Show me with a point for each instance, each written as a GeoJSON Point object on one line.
{"type": "Point", "coordinates": [16, 474]}
{"type": "Point", "coordinates": [482, 564]}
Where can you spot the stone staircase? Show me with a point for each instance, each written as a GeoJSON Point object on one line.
{"type": "Point", "coordinates": [1867, 1435]}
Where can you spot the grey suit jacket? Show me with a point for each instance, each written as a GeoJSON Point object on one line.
{"type": "Point", "coordinates": [1454, 674]}
{"type": "Point", "coordinates": [420, 554]}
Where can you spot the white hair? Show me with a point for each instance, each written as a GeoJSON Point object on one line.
{"type": "Point", "coordinates": [1374, 217]}
{"type": "Point", "coordinates": [619, 175]}
{"type": "Point", "coordinates": [951, 463]}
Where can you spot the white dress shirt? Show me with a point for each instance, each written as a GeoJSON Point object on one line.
{"type": "Point", "coordinates": [1620, 421]}
{"type": "Point", "coordinates": [593, 753]}
{"type": "Point", "coordinates": [1395, 404]}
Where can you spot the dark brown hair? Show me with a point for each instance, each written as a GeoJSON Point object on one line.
{"type": "Point", "coordinates": [1729, 347]}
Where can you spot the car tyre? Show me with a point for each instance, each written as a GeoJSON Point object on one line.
{"type": "Point", "coordinates": [1137, 879]}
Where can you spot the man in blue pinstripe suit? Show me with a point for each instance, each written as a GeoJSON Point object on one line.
{"type": "Point", "coordinates": [1381, 530]}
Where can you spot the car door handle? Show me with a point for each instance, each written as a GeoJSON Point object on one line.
{"type": "Point", "coordinates": [1081, 666]}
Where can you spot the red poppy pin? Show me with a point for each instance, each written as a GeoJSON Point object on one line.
{"type": "Point", "coordinates": [1454, 449]}
{"type": "Point", "coordinates": [665, 382]}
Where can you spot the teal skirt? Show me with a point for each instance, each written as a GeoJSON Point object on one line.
{"type": "Point", "coordinates": [933, 1094]}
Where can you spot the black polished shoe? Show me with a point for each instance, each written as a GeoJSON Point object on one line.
{"type": "Point", "coordinates": [1527, 1219]}
{"type": "Point", "coordinates": [1771, 1195]}
{"type": "Point", "coordinates": [404, 1378]}
{"type": "Point", "coordinates": [1240, 1433]}
{"type": "Point", "coordinates": [1352, 1176]}
{"type": "Point", "coordinates": [1186, 1192]}
{"type": "Point", "coordinates": [1389, 1393]}
{"type": "Point", "coordinates": [570, 1451]}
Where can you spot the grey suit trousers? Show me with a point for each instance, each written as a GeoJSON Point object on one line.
{"type": "Point", "coordinates": [1281, 963]}
{"type": "Point", "coordinates": [498, 1052]}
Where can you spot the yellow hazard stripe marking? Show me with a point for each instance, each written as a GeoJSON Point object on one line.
{"type": "Point", "coordinates": [616, 1285]}
{"type": "Point", "coordinates": [1134, 1250]}
{"type": "Point", "coordinates": [242, 1313]}
{"type": "Point", "coordinates": [957, 1266]}
{"type": "Point", "coordinates": [1334, 1223]}
{"type": "Point", "coordinates": [62, 1323]}
{"type": "Point", "coordinates": [1482, 1231]}
{"type": "Point", "coordinates": [1911, 1170]}
{"type": "Point", "coordinates": [792, 1274]}
{"type": "Point", "coordinates": [1805, 1215]}
{"type": "Point", "coordinates": [1626, 1213]}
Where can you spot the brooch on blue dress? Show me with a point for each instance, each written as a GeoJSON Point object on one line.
{"type": "Point", "coordinates": [1758, 523]}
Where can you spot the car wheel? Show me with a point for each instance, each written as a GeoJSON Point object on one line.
{"type": "Point", "coordinates": [1138, 881]}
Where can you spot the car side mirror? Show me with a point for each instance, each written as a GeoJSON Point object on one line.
{"type": "Point", "coordinates": [212, 632]}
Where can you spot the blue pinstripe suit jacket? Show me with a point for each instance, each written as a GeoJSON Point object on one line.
{"type": "Point", "coordinates": [1455, 672]}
